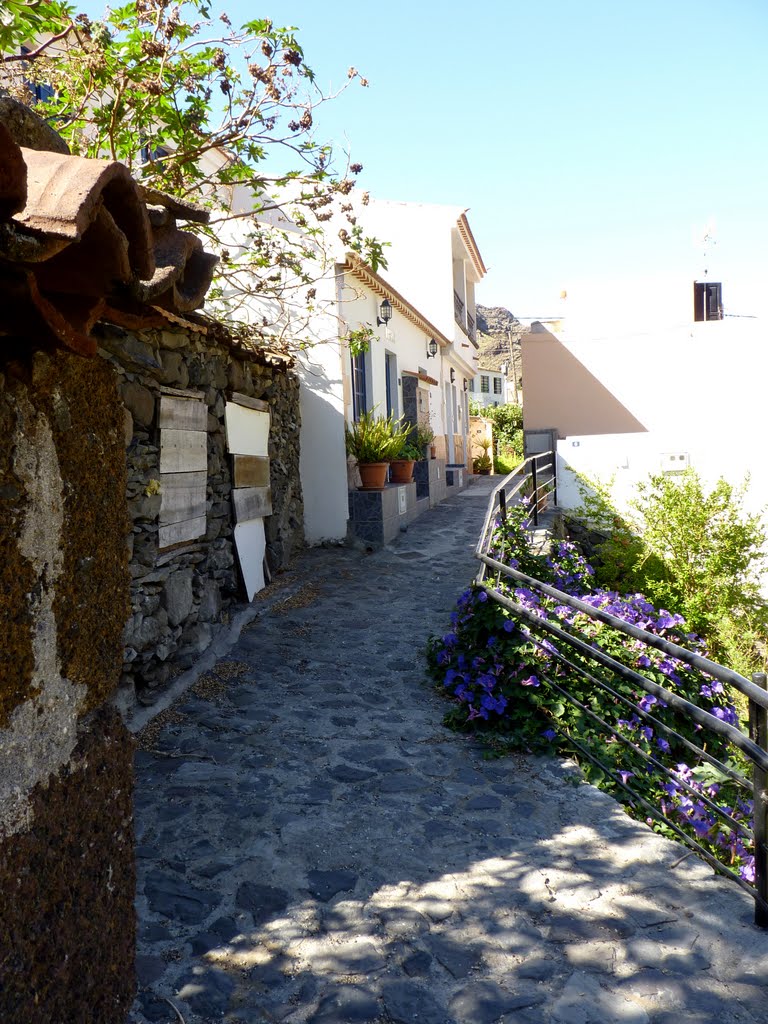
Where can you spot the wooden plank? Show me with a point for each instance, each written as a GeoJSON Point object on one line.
{"type": "Point", "coordinates": [177, 533]}
{"type": "Point", "coordinates": [247, 430]}
{"type": "Point", "coordinates": [182, 413]}
{"type": "Point", "coordinates": [183, 451]}
{"type": "Point", "coordinates": [250, 471]}
{"type": "Point", "coordinates": [249, 403]}
{"type": "Point", "coordinates": [182, 393]}
{"type": "Point", "coordinates": [251, 547]}
{"type": "Point", "coordinates": [182, 496]}
{"type": "Point", "coordinates": [252, 503]}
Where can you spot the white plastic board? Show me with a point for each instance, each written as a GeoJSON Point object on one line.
{"type": "Point", "coordinates": [251, 546]}
{"type": "Point", "coordinates": [247, 430]}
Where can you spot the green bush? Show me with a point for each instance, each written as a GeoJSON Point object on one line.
{"type": "Point", "coordinates": [691, 549]}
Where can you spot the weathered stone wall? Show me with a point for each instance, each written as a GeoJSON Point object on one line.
{"type": "Point", "coordinates": [66, 857]}
{"type": "Point", "coordinates": [179, 596]}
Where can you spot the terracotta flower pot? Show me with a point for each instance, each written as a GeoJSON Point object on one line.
{"type": "Point", "coordinates": [373, 475]}
{"type": "Point", "coordinates": [402, 470]}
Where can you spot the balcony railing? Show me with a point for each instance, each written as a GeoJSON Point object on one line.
{"type": "Point", "coordinates": [458, 311]}
{"type": "Point", "coordinates": [471, 329]}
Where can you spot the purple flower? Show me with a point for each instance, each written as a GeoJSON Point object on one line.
{"type": "Point", "coordinates": [530, 681]}
{"type": "Point", "coordinates": [662, 744]}
{"type": "Point", "coordinates": [625, 776]}
{"type": "Point", "coordinates": [747, 870]}
{"type": "Point", "coordinates": [482, 596]}
{"type": "Point", "coordinates": [549, 734]}
{"type": "Point", "coordinates": [509, 626]}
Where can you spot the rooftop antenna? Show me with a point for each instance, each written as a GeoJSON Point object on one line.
{"type": "Point", "coordinates": [708, 242]}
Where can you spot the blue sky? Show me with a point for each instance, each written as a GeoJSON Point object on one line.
{"type": "Point", "coordinates": [589, 140]}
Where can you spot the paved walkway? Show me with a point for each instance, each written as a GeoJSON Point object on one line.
{"type": "Point", "coordinates": [314, 847]}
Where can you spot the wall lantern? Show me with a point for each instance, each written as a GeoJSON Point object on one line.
{"type": "Point", "coordinates": [453, 375]}
{"type": "Point", "coordinates": [386, 314]}
{"type": "Point", "coordinates": [431, 348]}
{"type": "Point", "coordinates": [465, 384]}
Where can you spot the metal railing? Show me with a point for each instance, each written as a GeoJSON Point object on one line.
{"type": "Point", "coordinates": [471, 327]}
{"type": "Point", "coordinates": [575, 661]}
{"type": "Point", "coordinates": [458, 310]}
{"type": "Point", "coordinates": [535, 481]}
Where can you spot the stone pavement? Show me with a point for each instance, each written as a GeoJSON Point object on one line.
{"type": "Point", "coordinates": [313, 846]}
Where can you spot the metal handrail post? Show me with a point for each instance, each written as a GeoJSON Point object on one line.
{"type": "Point", "coordinates": [758, 733]}
{"type": "Point", "coordinates": [535, 492]}
{"type": "Point", "coordinates": [503, 505]}
{"type": "Point", "coordinates": [554, 476]}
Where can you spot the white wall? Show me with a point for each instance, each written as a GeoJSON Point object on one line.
{"type": "Point", "coordinates": [420, 262]}
{"type": "Point", "coordinates": [696, 391]}
{"type": "Point", "coordinates": [323, 459]}
{"type": "Point", "coordinates": [407, 342]}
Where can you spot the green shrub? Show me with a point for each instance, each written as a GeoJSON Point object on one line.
{"type": "Point", "coordinates": [691, 549]}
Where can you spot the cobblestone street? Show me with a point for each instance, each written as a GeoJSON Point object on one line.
{"type": "Point", "coordinates": [314, 847]}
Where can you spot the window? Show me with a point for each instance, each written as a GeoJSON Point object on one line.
{"type": "Point", "coordinates": [40, 90]}
{"type": "Point", "coordinates": [359, 399]}
{"type": "Point", "coordinates": [707, 300]}
{"type": "Point", "coordinates": [156, 155]}
{"type": "Point", "coordinates": [485, 384]}
{"type": "Point", "coordinates": [472, 385]}
{"type": "Point", "coordinates": [497, 385]}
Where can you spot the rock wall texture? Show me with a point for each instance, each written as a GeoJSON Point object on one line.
{"type": "Point", "coordinates": [179, 596]}
{"type": "Point", "coordinates": [66, 858]}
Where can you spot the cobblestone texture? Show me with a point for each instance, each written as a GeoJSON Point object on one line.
{"type": "Point", "coordinates": [315, 848]}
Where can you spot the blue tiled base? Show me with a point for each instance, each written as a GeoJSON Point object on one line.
{"type": "Point", "coordinates": [376, 517]}
{"type": "Point", "coordinates": [455, 478]}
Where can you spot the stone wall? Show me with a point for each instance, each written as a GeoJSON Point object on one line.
{"type": "Point", "coordinates": [66, 844]}
{"type": "Point", "coordinates": [180, 596]}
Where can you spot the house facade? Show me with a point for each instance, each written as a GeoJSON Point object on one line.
{"type": "Point", "coordinates": [434, 260]}
{"type": "Point", "coordinates": [418, 360]}
{"type": "Point", "coordinates": [489, 387]}
{"type": "Point", "coordinates": [621, 397]}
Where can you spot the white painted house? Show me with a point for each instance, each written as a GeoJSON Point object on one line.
{"type": "Point", "coordinates": [433, 259]}
{"type": "Point", "coordinates": [421, 356]}
{"type": "Point", "coordinates": [629, 389]}
{"type": "Point", "coordinates": [489, 387]}
{"type": "Point", "coordinates": [419, 362]}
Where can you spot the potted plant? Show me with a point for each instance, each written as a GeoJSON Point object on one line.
{"type": "Point", "coordinates": [483, 464]}
{"type": "Point", "coordinates": [401, 467]}
{"type": "Point", "coordinates": [424, 438]}
{"type": "Point", "coordinates": [374, 441]}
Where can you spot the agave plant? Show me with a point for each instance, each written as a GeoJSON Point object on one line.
{"type": "Point", "coordinates": [374, 438]}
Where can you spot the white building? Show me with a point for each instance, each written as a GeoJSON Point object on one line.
{"type": "Point", "coordinates": [420, 358]}
{"type": "Point", "coordinates": [625, 389]}
{"type": "Point", "coordinates": [489, 387]}
{"type": "Point", "coordinates": [434, 261]}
